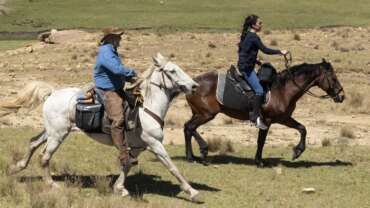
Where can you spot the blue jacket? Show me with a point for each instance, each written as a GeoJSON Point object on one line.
{"type": "Point", "coordinates": [109, 72]}
{"type": "Point", "coordinates": [248, 52]}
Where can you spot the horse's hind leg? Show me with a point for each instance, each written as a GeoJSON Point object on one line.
{"type": "Point", "coordinates": [158, 149]}
{"type": "Point", "coordinates": [190, 128]}
{"type": "Point", "coordinates": [53, 142]}
{"type": "Point", "coordinates": [35, 142]}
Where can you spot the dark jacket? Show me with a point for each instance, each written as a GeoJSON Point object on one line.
{"type": "Point", "coordinates": [248, 52]}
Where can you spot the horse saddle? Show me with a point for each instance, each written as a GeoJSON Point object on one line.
{"type": "Point", "coordinates": [235, 93]}
{"type": "Point", "coordinates": [91, 116]}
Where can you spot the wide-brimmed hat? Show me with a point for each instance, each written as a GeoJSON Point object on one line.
{"type": "Point", "coordinates": [109, 32]}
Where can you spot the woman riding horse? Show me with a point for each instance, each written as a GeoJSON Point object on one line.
{"type": "Point", "coordinates": [250, 44]}
{"type": "Point", "coordinates": [287, 88]}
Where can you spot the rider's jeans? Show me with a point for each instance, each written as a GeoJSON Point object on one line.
{"type": "Point", "coordinates": [254, 82]}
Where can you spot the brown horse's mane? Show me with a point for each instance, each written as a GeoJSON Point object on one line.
{"type": "Point", "coordinates": [288, 74]}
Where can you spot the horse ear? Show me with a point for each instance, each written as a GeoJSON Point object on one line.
{"type": "Point", "coordinates": [324, 61]}
{"type": "Point", "coordinates": [159, 55]}
{"type": "Point", "coordinates": [156, 60]}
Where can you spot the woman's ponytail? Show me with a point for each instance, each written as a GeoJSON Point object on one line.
{"type": "Point", "coordinates": [248, 22]}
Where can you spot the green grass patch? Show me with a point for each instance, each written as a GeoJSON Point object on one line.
{"type": "Point", "coordinates": [14, 44]}
{"type": "Point", "coordinates": [36, 15]}
{"type": "Point", "coordinates": [339, 175]}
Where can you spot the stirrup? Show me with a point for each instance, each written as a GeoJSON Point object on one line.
{"type": "Point", "coordinates": [260, 124]}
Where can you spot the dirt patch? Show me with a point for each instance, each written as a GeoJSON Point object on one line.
{"type": "Point", "coordinates": [3, 8]}
{"type": "Point", "coordinates": [69, 62]}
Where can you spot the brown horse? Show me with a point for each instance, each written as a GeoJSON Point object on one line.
{"type": "Point", "coordinates": [288, 86]}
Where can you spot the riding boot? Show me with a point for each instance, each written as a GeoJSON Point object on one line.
{"type": "Point", "coordinates": [255, 114]}
{"type": "Point", "coordinates": [120, 143]}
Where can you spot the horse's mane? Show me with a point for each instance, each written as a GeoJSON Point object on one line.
{"type": "Point", "coordinates": [296, 70]}
{"type": "Point", "coordinates": [145, 83]}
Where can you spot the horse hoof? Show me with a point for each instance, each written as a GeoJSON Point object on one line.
{"type": "Point", "coordinates": [296, 153]}
{"type": "Point", "coordinates": [124, 193]}
{"type": "Point", "coordinates": [205, 162]}
{"type": "Point", "coordinates": [54, 185]}
{"type": "Point", "coordinates": [262, 164]}
{"type": "Point", "coordinates": [117, 189]}
{"type": "Point", "coordinates": [196, 198]}
{"type": "Point", "coordinates": [190, 159]}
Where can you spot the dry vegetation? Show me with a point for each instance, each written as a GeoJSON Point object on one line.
{"type": "Point", "coordinates": [231, 179]}
{"type": "Point", "coordinates": [70, 60]}
{"type": "Point", "coordinates": [335, 126]}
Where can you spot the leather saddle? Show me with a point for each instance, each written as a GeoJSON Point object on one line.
{"type": "Point", "coordinates": [91, 115]}
{"type": "Point", "coordinates": [236, 77]}
{"type": "Point", "coordinates": [265, 74]}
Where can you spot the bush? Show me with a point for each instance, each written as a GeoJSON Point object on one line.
{"type": "Point", "coordinates": [274, 43]}
{"type": "Point", "coordinates": [221, 146]}
{"type": "Point", "coordinates": [347, 132]}
{"type": "Point", "coordinates": [325, 142]}
{"type": "Point", "coordinates": [297, 37]}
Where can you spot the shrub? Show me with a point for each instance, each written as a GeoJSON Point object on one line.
{"type": "Point", "coordinates": [297, 37]}
{"type": "Point", "coordinates": [274, 43]}
{"type": "Point", "coordinates": [347, 132]}
{"type": "Point", "coordinates": [325, 142]}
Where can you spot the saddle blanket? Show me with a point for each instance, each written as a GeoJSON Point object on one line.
{"type": "Point", "coordinates": [233, 97]}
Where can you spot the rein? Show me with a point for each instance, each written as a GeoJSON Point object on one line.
{"type": "Point", "coordinates": [160, 86]}
{"type": "Point", "coordinates": [288, 61]}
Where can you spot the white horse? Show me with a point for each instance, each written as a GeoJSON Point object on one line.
{"type": "Point", "coordinates": [163, 81]}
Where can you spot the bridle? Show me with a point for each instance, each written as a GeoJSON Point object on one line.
{"type": "Point", "coordinates": [161, 86]}
{"type": "Point", "coordinates": [288, 61]}
{"type": "Point", "coordinates": [164, 74]}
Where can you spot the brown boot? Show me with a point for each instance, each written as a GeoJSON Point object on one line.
{"type": "Point", "coordinates": [125, 158]}
{"type": "Point", "coordinates": [114, 108]}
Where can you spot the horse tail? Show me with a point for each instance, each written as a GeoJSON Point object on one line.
{"type": "Point", "coordinates": [30, 96]}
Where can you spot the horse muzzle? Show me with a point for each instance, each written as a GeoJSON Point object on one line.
{"type": "Point", "coordinates": [194, 88]}
{"type": "Point", "coordinates": [339, 98]}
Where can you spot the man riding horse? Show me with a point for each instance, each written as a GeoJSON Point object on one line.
{"type": "Point", "coordinates": [109, 77]}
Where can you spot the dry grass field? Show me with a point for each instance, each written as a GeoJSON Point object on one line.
{"type": "Point", "coordinates": [336, 162]}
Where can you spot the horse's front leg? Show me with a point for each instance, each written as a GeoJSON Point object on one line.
{"type": "Point", "coordinates": [301, 146]}
{"type": "Point", "coordinates": [119, 185]}
{"type": "Point", "coordinates": [158, 149]}
{"type": "Point", "coordinates": [262, 134]}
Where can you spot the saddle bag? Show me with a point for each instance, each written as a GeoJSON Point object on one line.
{"type": "Point", "coordinates": [89, 116]}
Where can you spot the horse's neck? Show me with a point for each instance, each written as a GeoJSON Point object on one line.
{"type": "Point", "coordinates": [299, 85]}
{"type": "Point", "coordinates": [157, 101]}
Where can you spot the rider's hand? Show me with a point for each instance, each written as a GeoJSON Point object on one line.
{"type": "Point", "coordinates": [284, 52]}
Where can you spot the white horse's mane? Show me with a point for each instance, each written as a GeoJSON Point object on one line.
{"type": "Point", "coordinates": [145, 85]}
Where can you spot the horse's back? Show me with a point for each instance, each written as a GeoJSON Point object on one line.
{"type": "Point", "coordinates": [207, 84]}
